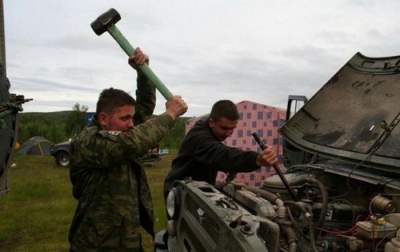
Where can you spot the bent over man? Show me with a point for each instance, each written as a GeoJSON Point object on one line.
{"type": "Point", "coordinates": [202, 153]}
{"type": "Point", "coordinates": [110, 185]}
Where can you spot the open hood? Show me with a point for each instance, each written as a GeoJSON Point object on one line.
{"type": "Point", "coordinates": [354, 116]}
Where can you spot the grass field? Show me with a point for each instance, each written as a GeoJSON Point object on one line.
{"type": "Point", "coordinates": [35, 215]}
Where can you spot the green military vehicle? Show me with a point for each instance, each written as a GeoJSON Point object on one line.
{"type": "Point", "coordinates": [342, 159]}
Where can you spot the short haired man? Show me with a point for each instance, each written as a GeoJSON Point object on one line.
{"type": "Point", "coordinates": [202, 153]}
{"type": "Point", "coordinates": [110, 185]}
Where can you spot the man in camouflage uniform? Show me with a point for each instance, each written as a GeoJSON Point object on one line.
{"type": "Point", "coordinates": [114, 197]}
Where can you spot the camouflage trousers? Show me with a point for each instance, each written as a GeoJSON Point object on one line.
{"type": "Point", "coordinates": [101, 237]}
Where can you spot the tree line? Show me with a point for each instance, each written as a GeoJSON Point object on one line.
{"type": "Point", "coordinates": [62, 125]}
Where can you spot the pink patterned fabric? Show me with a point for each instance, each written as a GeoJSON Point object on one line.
{"type": "Point", "coordinates": [254, 117]}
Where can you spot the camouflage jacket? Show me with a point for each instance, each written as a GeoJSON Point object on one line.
{"type": "Point", "coordinates": [108, 181]}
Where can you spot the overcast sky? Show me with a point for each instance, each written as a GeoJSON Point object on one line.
{"type": "Point", "coordinates": [204, 50]}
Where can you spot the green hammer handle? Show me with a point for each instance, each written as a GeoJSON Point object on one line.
{"type": "Point", "coordinates": [128, 48]}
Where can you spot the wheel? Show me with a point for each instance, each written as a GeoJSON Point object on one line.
{"type": "Point", "coordinates": [62, 158]}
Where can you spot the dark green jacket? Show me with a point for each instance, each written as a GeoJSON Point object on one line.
{"type": "Point", "coordinates": [202, 155]}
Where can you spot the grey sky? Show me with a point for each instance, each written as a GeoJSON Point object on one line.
{"type": "Point", "coordinates": [205, 50]}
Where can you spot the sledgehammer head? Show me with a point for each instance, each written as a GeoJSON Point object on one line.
{"type": "Point", "coordinates": [105, 20]}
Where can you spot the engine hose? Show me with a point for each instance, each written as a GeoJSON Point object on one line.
{"type": "Point", "coordinates": [299, 206]}
{"type": "Point", "coordinates": [312, 236]}
{"type": "Point", "coordinates": [263, 193]}
{"type": "Point", "coordinates": [308, 217]}
{"type": "Point", "coordinates": [324, 196]}
{"type": "Point", "coordinates": [272, 197]}
{"type": "Point", "coordinates": [293, 221]}
{"type": "Point", "coordinates": [291, 238]}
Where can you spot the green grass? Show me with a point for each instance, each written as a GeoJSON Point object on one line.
{"type": "Point", "coordinates": [35, 215]}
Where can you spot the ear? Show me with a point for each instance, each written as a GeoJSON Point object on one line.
{"type": "Point", "coordinates": [103, 119]}
{"type": "Point", "coordinates": [211, 122]}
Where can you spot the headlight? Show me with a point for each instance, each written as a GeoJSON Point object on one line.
{"type": "Point", "coordinates": [172, 203]}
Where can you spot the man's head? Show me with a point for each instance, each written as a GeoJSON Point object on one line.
{"type": "Point", "coordinates": [223, 119]}
{"type": "Point", "coordinates": [115, 110]}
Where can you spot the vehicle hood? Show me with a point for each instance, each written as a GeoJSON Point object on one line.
{"type": "Point", "coordinates": [354, 116]}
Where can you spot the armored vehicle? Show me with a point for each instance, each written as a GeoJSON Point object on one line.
{"type": "Point", "coordinates": [342, 160]}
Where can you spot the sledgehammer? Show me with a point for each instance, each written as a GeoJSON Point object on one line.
{"type": "Point", "coordinates": [106, 22]}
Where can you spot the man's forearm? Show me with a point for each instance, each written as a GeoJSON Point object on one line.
{"type": "Point", "coordinates": [145, 98]}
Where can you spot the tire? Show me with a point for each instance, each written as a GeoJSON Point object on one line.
{"type": "Point", "coordinates": [62, 158]}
